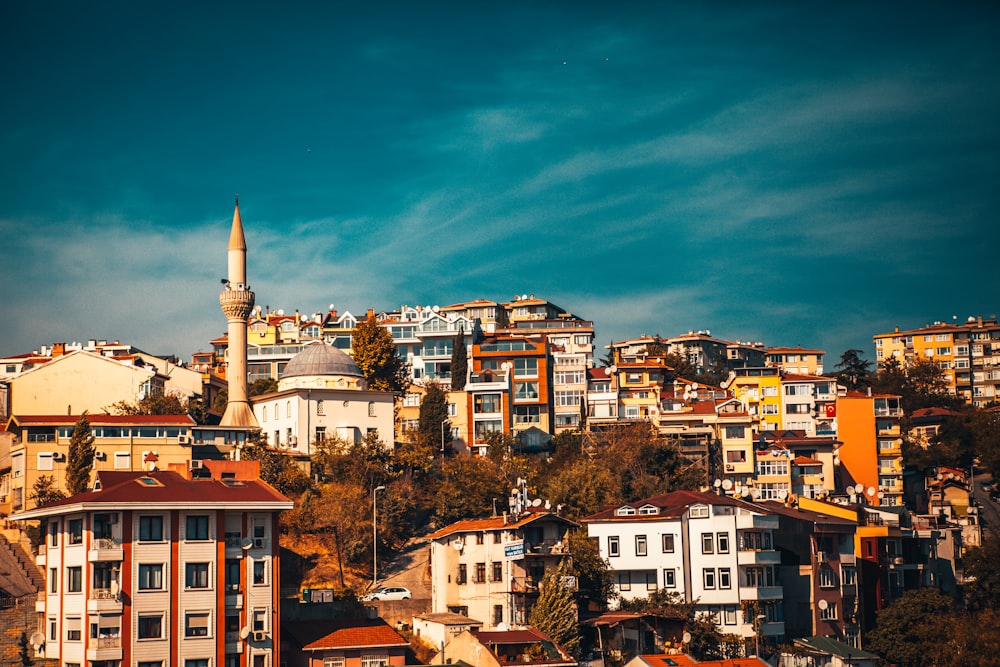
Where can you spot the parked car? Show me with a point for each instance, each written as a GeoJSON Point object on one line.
{"type": "Point", "coordinates": [389, 593]}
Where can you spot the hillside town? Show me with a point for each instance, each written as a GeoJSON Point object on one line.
{"type": "Point", "coordinates": [485, 483]}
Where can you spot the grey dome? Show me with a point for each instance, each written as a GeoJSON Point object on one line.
{"type": "Point", "coordinates": [320, 359]}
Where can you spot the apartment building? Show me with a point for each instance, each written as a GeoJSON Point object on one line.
{"type": "Point", "coordinates": [871, 456]}
{"type": "Point", "coordinates": [759, 390]}
{"type": "Point", "coordinates": [715, 551]}
{"type": "Point", "coordinates": [968, 354]}
{"type": "Point", "coordinates": [424, 338]}
{"type": "Point", "coordinates": [489, 569]}
{"type": "Point", "coordinates": [526, 360]}
{"type": "Point", "coordinates": [175, 567]}
{"type": "Point", "coordinates": [796, 360]}
{"type": "Point", "coordinates": [40, 446]}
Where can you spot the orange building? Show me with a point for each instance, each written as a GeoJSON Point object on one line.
{"type": "Point", "coordinates": [870, 455]}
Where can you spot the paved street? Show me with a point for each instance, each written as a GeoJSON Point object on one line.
{"type": "Point", "coordinates": [989, 512]}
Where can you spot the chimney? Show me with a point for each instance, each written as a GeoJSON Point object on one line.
{"type": "Point", "coordinates": [979, 321]}
{"type": "Point", "coordinates": [58, 349]}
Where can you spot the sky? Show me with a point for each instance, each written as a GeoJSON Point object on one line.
{"type": "Point", "coordinates": [793, 173]}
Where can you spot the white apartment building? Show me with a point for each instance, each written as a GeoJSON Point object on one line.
{"type": "Point", "coordinates": [161, 568]}
{"type": "Point", "coordinates": [705, 547]}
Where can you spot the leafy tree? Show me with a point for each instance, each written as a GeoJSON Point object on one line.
{"type": "Point", "coordinates": [367, 462]}
{"type": "Point", "coordinates": [706, 639]}
{"type": "Point", "coordinates": [375, 354]}
{"type": "Point", "coordinates": [854, 370]}
{"type": "Point", "coordinates": [262, 386]}
{"type": "Point", "coordinates": [982, 576]}
{"type": "Point", "coordinates": [967, 640]}
{"type": "Point", "coordinates": [433, 418]}
{"type": "Point", "coordinates": [595, 581]}
{"type": "Point", "coordinates": [277, 469]}
{"type": "Point", "coordinates": [555, 612]}
{"type": "Point", "coordinates": [220, 402]}
{"type": "Point", "coordinates": [907, 630]}
{"type": "Point", "coordinates": [172, 403]}
{"type": "Point", "coordinates": [459, 361]}
{"type": "Point", "coordinates": [663, 602]}
{"type": "Point", "coordinates": [80, 459]}
{"type": "Point", "coordinates": [608, 360]}
{"type": "Point", "coordinates": [45, 491]}
{"type": "Point", "coordinates": [468, 490]}
{"type": "Point", "coordinates": [582, 488]}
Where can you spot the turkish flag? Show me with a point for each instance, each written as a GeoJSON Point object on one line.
{"type": "Point", "coordinates": [831, 410]}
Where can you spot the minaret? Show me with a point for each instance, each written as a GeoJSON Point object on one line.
{"type": "Point", "coordinates": [237, 302]}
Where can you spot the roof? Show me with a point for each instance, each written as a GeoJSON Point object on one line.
{"type": "Point", "coordinates": [103, 420]}
{"type": "Point", "coordinates": [121, 489]}
{"type": "Point", "coordinates": [496, 523]}
{"type": "Point", "coordinates": [321, 359]}
{"type": "Point", "coordinates": [806, 461]}
{"type": "Point", "coordinates": [671, 505]}
{"type": "Point", "coordinates": [797, 350]}
{"type": "Point", "coordinates": [345, 634]}
{"type": "Point", "coordinates": [448, 618]}
{"type": "Point", "coordinates": [807, 515]}
{"type": "Point", "coordinates": [834, 647]}
{"type": "Point", "coordinates": [668, 660]}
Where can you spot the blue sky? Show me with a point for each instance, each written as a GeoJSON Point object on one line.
{"type": "Point", "coordinates": [796, 173]}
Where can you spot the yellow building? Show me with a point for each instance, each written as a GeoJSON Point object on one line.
{"type": "Point", "coordinates": [759, 390]}
{"type": "Point", "coordinates": [968, 355]}
{"type": "Point", "coordinates": [796, 360]}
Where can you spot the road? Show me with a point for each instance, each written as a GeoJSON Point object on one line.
{"type": "Point", "coordinates": [989, 511]}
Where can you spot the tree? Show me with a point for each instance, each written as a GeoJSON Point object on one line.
{"type": "Point", "coordinates": [375, 354]}
{"type": "Point", "coordinates": [594, 578]}
{"type": "Point", "coordinates": [262, 386]}
{"type": "Point", "coordinates": [555, 612]}
{"type": "Point", "coordinates": [582, 488]}
{"type": "Point", "coordinates": [278, 470]}
{"type": "Point", "coordinates": [172, 403]}
{"type": "Point", "coordinates": [45, 491]}
{"type": "Point", "coordinates": [432, 425]}
{"type": "Point", "coordinates": [459, 361]}
{"type": "Point", "coordinates": [608, 360]}
{"type": "Point", "coordinates": [854, 371]}
{"type": "Point", "coordinates": [80, 459]}
{"type": "Point", "coordinates": [982, 576]}
{"type": "Point", "coordinates": [907, 630]}
{"type": "Point", "coordinates": [468, 490]}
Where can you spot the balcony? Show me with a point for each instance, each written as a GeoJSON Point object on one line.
{"type": "Point", "coordinates": [545, 548]}
{"type": "Point", "coordinates": [40, 558]}
{"type": "Point", "coordinates": [524, 585]}
{"type": "Point", "coordinates": [750, 521]}
{"type": "Point", "coordinates": [772, 628]}
{"type": "Point", "coordinates": [849, 590]}
{"type": "Point", "coordinates": [104, 600]}
{"type": "Point", "coordinates": [761, 593]}
{"type": "Point", "coordinates": [758, 557]}
{"type": "Point", "coordinates": [104, 648]}
{"type": "Point", "coordinates": [234, 644]}
{"type": "Point", "coordinates": [234, 599]}
{"type": "Point", "coordinates": [848, 558]}
{"type": "Point", "coordinates": [105, 549]}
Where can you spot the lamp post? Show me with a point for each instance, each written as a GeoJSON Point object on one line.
{"type": "Point", "coordinates": [443, 424]}
{"type": "Point", "coordinates": [378, 488]}
{"type": "Point", "coordinates": [756, 637]}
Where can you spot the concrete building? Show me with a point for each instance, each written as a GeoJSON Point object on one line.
{"type": "Point", "coordinates": [871, 455]}
{"type": "Point", "coordinates": [175, 567]}
{"type": "Point", "coordinates": [796, 360]}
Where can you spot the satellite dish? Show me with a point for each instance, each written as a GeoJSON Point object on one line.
{"type": "Point", "coordinates": [247, 543]}
{"type": "Point", "coordinates": [244, 632]}
{"type": "Point", "coordinates": [537, 502]}
{"type": "Point", "coordinates": [694, 386]}
{"type": "Point", "coordinates": [37, 639]}
{"type": "Point", "coordinates": [727, 484]}
{"type": "Point", "coordinates": [458, 545]}
{"type": "Point", "coordinates": [501, 627]}
{"type": "Point", "coordinates": [513, 491]}
{"type": "Point", "coordinates": [756, 494]}
{"type": "Point", "coordinates": [686, 638]}
{"type": "Point", "coordinates": [822, 604]}
{"type": "Point", "coordinates": [871, 490]}
{"type": "Point", "coordinates": [717, 483]}
{"type": "Point", "coordinates": [859, 488]}
{"type": "Point", "coordinates": [782, 494]}
{"type": "Point", "coordinates": [115, 588]}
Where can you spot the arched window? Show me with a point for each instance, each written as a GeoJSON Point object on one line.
{"type": "Point", "coordinates": [288, 408]}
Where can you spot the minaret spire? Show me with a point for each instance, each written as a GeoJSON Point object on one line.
{"type": "Point", "coordinates": [237, 302]}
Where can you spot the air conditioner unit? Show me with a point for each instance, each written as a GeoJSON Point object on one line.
{"type": "Point", "coordinates": [259, 636]}
{"type": "Point", "coordinates": [258, 543]}
{"type": "Point", "coordinates": [58, 456]}
{"type": "Point", "coordinates": [184, 440]}
{"type": "Point", "coordinates": [101, 456]}
{"type": "Point", "coordinates": [195, 464]}
{"type": "Point", "coordinates": [293, 440]}
{"type": "Point", "coordinates": [730, 467]}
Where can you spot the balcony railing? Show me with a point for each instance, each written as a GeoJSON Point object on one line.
{"type": "Point", "coordinates": [106, 543]}
{"type": "Point", "coordinates": [524, 585]}
{"type": "Point", "coordinates": [103, 594]}
{"type": "Point", "coordinates": [108, 642]}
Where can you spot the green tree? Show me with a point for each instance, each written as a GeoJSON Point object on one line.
{"type": "Point", "coordinates": [706, 640]}
{"type": "Point", "coordinates": [459, 361]}
{"type": "Point", "coordinates": [468, 490]}
{"type": "Point", "coordinates": [907, 630]}
{"type": "Point", "coordinates": [80, 459]}
{"type": "Point", "coordinates": [854, 371]}
{"type": "Point", "coordinates": [595, 580]}
{"type": "Point", "coordinates": [262, 386]}
{"type": "Point", "coordinates": [220, 402]}
{"type": "Point", "coordinates": [375, 354]}
{"type": "Point", "coordinates": [277, 469]}
{"type": "Point", "coordinates": [45, 491]}
{"type": "Point", "coordinates": [982, 576]}
{"type": "Point", "coordinates": [608, 360]}
{"type": "Point", "coordinates": [432, 425]}
{"type": "Point", "coordinates": [172, 403]}
{"type": "Point", "coordinates": [555, 612]}
{"type": "Point", "coordinates": [582, 488]}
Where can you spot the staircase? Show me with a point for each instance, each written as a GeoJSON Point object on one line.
{"type": "Point", "coordinates": [22, 576]}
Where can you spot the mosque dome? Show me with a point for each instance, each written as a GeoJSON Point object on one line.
{"type": "Point", "coordinates": [323, 361]}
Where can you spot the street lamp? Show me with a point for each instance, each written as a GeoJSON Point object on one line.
{"type": "Point", "coordinates": [756, 637]}
{"type": "Point", "coordinates": [443, 424]}
{"type": "Point", "coordinates": [378, 488]}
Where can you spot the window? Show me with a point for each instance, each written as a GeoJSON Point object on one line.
{"type": "Point", "coordinates": [827, 577]}
{"type": "Point", "coordinates": [707, 543]}
{"type": "Point", "coordinates": [729, 615]}
{"type": "Point", "coordinates": [772, 467]}
{"type": "Point", "coordinates": [708, 577]}
{"type": "Point", "coordinates": [320, 409]}
{"type": "Point", "coordinates": [374, 661]}
{"type": "Point", "coordinates": [196, 624]}
{"type": "Point", "coordinates": [770, 391]}
{"type": "Point", "coordinates": [45, 461]}
{"type": "Point", "coordinates": [75, 530]}
{"type": "Point", "coordinates": [770, 409]}
{"type": "Point", "coordinates": [725, 580]}
{"type": "Point", "coordinates": [525, 391]}
{"type": "Point", "coordinates": [698, 511]}
{"type": "Point", "coordinates": [723, 539]}
{"type": "Point", "coordinates": [848, 575]}
{"type": "Point", "coordinates": [565, 398]}
{"type": "Point", "coordinates": [497, 614]}
{"type": "Point", "coordinates": [53, 530]}
{"type": "Point", "coordinates": [669, 578]}
{"type": "Point", "coordinates": [196, 527]}
{"type": "Point", "coordinates": [497, 574]}
{"type": "Point", "coordinates": [259, 572]}
{"type": "Point", "coordinates": [735, 432]}
{"type": "Point", "coordinates": [651, 580]}
{"type": "Point", "coordinates": [196, 575]}
{"type": "Point", "coordinates": [640, 545]}
{"type": "Point", "coordinates": [527, 414]}
{"type": "Point", "coordinates": [569, 377]}
{"type": "Point", "coordinates": [668, 543]}
{"type": "Point", "coordinates": [336, 661]}
{"type": "Point", "coordinates": [259, 620]}
{"type": "Point", "coordinates": [480, 573]}
{"type": "Point", "coordinates": [371, 408]}
{"type": "Point", "coordinates": [123, 461]}
{"type": "Point", "coordinates": [150, 576]}
{"type": "Point", "coordinates": [613, 549]}
{"type": "Point", "coordinates": [829, 613]}
{"type": "Point", "coordinates": [150, 528]}
{"type": "Point", "coordinates": [53, 580]}
{"type": "Point", "coordinates": [487, 403]}
{"type": "Point", "coordinates": [74, 579]}
{"type": "Point", "coordinates": [625, 581]}
{"type": "Point", "coordinates": [73, 629]}
{"type": "Point", "coordinates": [150, 626]}
{"type": "Point", "coordinates": [463, 573]}
{"type": "Point", "coordinates": [53, 629]}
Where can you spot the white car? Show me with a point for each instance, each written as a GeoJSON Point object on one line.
{"type": "Point", "coordinates": [389, 593]}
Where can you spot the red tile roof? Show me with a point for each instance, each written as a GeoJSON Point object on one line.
{"type": "Point", "coordinates": [104, 420]}
{"type": "Point", "coordinates": [358, 634]}
{"type": "Point", "coordinates": [496, 523]}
